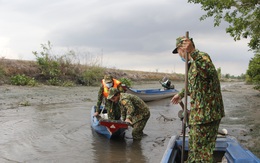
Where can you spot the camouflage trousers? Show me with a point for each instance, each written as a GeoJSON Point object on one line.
{"type": "Point", "coordinates": [202, 140]}
{"type": "Point", "coordinates": [113, 110]}
{"type": "Point", "coordinates": [138, 127]}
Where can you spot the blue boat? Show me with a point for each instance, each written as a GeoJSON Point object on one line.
{"type": "Point", "coordinates": [108, 128]}
{"type": "Point", "coordinates": [152, 94]}
{"type": "Point", "coordinates": [227, 150]}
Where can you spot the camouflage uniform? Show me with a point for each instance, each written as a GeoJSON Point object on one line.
{"type": "Point", "coordinates": [206, 108]}
{"type": "Point", "coordinates": [135, 109]}
{"type": "Point", "coordinates": [112, 108]}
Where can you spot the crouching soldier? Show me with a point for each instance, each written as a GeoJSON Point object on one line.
{"type": "Point", "coordinates": [133, 110]}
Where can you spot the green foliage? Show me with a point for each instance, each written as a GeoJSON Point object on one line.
{"type": "Point", "coordinates": [25, 103]}
{"type": "Point", "coordinates": [2, 72]}
{"type": "Point", "coordinates": [32, 82]}
{"type": "Point", "coordinates": [227, 76]}
{"type": "Point", "coordinates": [49, 66]}
{"type": "Point", "coordinates": [91, 76]}
{"type": "Point", "coordinates": [23, 80]}
{"type": "Point", "coordinates": [242, 76]}
{"type": "Point", "coordinates": [243, 17]}
{"type": "Point", "coordinates": [68, 84]}
{"type": "Point", "coordinates": [219, 73]}
{"type": "Point", "coordinates": [54, 81]}
{"type": "Point", "coordinates": [253, 72]}
{"type": "Point", "coordinates": [126, 82]}
{"type": "Point", "coordinates": [54, 68]}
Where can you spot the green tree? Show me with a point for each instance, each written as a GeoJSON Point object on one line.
{"type": "Point", "coordinates": [227, 76]}
{"type": "Point", "coordinates": [253, 72]}
{"type": "Point", "coordinates": [243, 17]}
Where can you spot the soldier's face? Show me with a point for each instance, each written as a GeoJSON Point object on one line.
{"type": "Point", "coordinates": [115, 98]}
{"type": "Point", "coordinates": [181, 52]}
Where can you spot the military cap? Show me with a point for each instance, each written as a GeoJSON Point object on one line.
{"type": "Point", "coordinates": [108, 78]}
{"type": "Point", "coordinates": [179, 41]}
{"type": "Point", "coordinates": [112, 92]}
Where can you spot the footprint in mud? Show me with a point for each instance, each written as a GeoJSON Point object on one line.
{"type": "Point", "coordinates": [159, 141]}
{"type": "Point", "coordinates": [165, 119]}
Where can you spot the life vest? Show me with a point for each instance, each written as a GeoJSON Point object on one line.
{"type": "Point", "coordinates": [106, 89]}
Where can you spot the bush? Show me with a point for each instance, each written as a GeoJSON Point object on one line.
{"type": "Point", "coordinates": [23, 80]}
{"type": "Point", "coordinates": [2, 72]}
{"type": "Point", "coordinates": [68, 84]}
{"type": "Point", "coordinates": [91, 76]}
{"type": "Point", "coordinates": [54, 81]}
{"type": "Point", "coordinates": [56, 68]}
{"type": "Point", "coordinates": [126, 82]}
{"type": "Point", "coordinates": [48, 65]}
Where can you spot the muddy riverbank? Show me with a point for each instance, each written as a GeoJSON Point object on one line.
{"type": "Point", "coordinates": [52, 124]}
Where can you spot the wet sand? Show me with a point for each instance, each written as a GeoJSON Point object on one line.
{"type": "Point", "coordinates": [52, 124]}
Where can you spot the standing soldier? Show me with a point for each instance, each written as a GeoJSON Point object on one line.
{"type": "Point", "coordinates": [133, 110]}
{"type": "Point", "coordinates": [206, 110]}
{"type": "Point", "coordinates": [113, 110]}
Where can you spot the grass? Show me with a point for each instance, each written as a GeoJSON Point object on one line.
{"type": "Point", "coordinates": [24, 71]}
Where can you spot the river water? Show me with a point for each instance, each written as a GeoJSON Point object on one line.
{"type": "Point", "coordinates": [55, 128]}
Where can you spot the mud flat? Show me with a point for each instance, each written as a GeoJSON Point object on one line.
{"type": "Point", "coordinates": [51, 124]}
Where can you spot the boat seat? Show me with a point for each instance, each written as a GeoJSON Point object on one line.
{"type": "Point", "coordinates": [238, 154]}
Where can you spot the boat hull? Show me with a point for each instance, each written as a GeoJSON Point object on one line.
{"type": "Point", "coordinates": [151, 94]}
{"type": "Point", "coordinates": [227, 148]}
{"type": "Point", "coordinates": [109, 128]}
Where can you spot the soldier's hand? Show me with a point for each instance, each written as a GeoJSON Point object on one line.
{"type": "Point", "coordinates": [187, 45]}
{"type": "Point", "coordinates": [96, 114]}
{"type": "Point", "coordinates": [176, 98]}
{"type": "Point", "coordinates": [128, 120]}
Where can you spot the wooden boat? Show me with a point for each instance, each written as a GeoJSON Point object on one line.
{"type": "Point", "coordinates": [151, 94]}
{"type": "Point", "coordinates": [227, 150]}
{"type": "Point", "coordinates": [106, 127]}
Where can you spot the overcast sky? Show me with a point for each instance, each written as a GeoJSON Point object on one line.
{"type": "Point", "coordinates": [122, 34]}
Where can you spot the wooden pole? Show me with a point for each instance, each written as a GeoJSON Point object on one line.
{"type": "Point", "coordinates": [185, 103]}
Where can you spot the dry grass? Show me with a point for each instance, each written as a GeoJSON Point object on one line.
{"type": "Point", "coordinates": [11, 67]}
{"type": "Point", "coordinates": [142, 75]}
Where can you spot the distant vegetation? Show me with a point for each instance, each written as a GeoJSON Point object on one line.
{"type": "Point", "coordinates": [61, 70]}
{"type": "Point", "coordinates": [253, 72]}
{"type": "Point", "coordinates": [227, 77]}
{"type": "Point", "coordinates": [66, 70]}
{"type": "Point", "coordinates": [23, 80]}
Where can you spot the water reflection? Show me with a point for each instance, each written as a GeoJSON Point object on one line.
{"type": "Point", "coordinates": [116, 150]}
{"type": "Point", "coordinates": [150, 148]}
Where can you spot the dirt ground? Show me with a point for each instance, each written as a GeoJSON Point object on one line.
{"type": "Point", "coordinates": [242, 107]}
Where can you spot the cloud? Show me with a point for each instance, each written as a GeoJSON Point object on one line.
{"type": "Point", "coordinates": [129, 34]}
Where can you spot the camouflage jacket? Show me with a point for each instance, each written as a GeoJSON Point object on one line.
{"type": "Point", "coordinates": [132, 107]}
{"type": "Point", "coordinates": [204, 90]}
